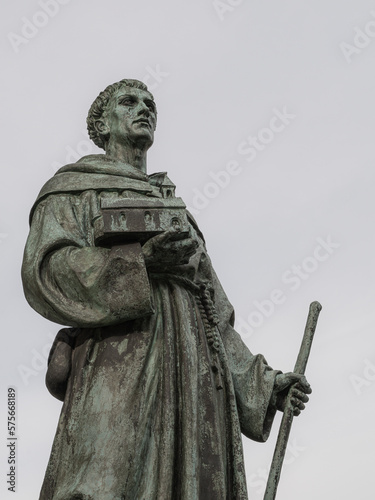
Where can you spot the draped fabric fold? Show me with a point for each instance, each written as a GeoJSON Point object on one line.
{"type": "Point", "coordinates": [156, 384]}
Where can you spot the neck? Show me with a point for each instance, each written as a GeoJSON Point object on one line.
{"type": "Point", "coordinates": [134, 155]}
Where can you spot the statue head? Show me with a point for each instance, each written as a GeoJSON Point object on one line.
{"type": "Point", "coordinates": [100, 110]}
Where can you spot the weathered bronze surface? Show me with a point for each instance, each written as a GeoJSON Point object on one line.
{"type": "Point", "coordinates": [156, 384]}
{"type": "Point", "coordinates": [131, 220]}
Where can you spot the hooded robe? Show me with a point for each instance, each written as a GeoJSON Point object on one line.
{"type": "Point", "coordinates": [156, 384]}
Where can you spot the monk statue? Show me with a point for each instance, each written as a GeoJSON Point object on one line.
{"type": "Point", "coordinates": [156, 384]}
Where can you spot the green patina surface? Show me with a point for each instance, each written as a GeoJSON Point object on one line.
{"type": "Point", "coordinates": [156, 384]}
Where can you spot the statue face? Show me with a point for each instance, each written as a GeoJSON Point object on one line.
{"type": "Point", "coordinates": [130, 116]}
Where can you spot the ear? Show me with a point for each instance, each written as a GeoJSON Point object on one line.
{"type": "Point", "coordinates": [102, 127]}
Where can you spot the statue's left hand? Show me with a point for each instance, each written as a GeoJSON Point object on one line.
{"type": "Point", "coordinates": [297, 386]}
{"type": "Point", "coordinates": [169, 249]}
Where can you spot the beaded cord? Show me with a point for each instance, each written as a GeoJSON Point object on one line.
{"type": "Point", "coordinates": [208, 314]}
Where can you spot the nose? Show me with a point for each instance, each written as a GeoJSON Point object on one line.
{"type": "Point", "coordinates": [143, 108]}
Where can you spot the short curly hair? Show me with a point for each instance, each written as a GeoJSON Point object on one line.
{"type": "Point", "coordinates": [98, 107]}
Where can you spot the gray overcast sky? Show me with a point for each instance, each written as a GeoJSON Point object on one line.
{"type": "Point", "coordinates": [266, 126]}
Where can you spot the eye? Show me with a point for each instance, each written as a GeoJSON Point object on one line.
{"type": "Point", "coordinates": [151, 106]}
{"type": "Point", "coordinates": [127, 101]}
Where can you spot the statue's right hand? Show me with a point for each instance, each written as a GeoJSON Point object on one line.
{"type": "Point", "coordinates": [169, 249]}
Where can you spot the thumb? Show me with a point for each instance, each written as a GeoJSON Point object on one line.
{"type": "Point", "coordinates": [291, 378]}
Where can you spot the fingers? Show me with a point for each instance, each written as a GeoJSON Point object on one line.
{"type": "Point", "coordinates": [169, 248]}
{"type": "Point", "coordinates": [296, 412]}
{"type": "Point", "coordinates": [161, 239]}
{"type": "Point", "coordinates": [304, 385]}
{"type": "Point", "coordinates": [187, 247]}
{"type": "Point", "coordinates": [297, 394]}
{"type": "Point", "coordinates": [190, 246]}
{"type": "Point", "coordinates": [299, 380]}
{"type": "Point", "coordinates": [297, 406]}
{"type": "Point", "coordinates": [172, 239]}
{"type": "Point", "coordinates": [293, 389]}
{"type": "Point", "coordinates": [296, 403]}
{"type": "Point", "coordinates": [297, 400]}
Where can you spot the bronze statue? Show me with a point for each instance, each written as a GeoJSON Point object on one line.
{"type": "Point", "coordinates": [156, 384]}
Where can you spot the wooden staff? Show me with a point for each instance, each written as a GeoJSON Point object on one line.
{"type": "Point", "coordinates": [286, 423]}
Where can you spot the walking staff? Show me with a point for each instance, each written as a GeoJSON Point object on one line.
{"type": "Point", "coordinates": [287, 420]}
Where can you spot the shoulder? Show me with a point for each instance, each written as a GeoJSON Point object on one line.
{"type": "Point", "coordinates": [93, 172]}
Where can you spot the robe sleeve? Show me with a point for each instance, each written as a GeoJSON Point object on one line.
{"type": "Point", "coordinates": [69, 280]}
{"type": "Point", "coordinates": [253, 380]}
